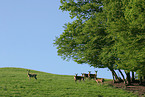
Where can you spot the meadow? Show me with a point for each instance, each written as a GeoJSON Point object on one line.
{"type": "Point", "coordinates": [14, 82]}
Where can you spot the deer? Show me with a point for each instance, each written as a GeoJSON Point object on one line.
{"type": "Point", "coordinates": [92, 76]}
{"type": "Point", "coordinates": [31, 75]}
{"type": "Point", "coordinates": [76, 77]}
{"type": "Point", "coordinates": [84, 75]}
{"type": "Point", "coordinates": [100, 80]}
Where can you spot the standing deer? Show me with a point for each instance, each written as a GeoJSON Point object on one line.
{"type": "Point", "coordinates": [92, 76]}
{"type": "Point", "coordinates": [31, 75]}
{"type": "Point", "coordinates": [85, 75]}
{"type": "Point", "coordinates": [100, 80]}
{"type": "Point", "coordinates": [76, 77]}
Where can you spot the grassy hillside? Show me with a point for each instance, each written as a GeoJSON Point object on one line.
{"type": "Point", "coordinates": [15, 82]}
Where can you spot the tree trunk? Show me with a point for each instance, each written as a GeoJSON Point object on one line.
{"type": "Point", "coordinates": [113, 77]}
{"type": "Point", "coordinates": [133, 79]}
{"type": "Point", "coordinates": [140, 80]}
{"type": "Point", "coordinates": [128, 78]}
{"type": "Point", "coordinates": [122, 76]}
{"type": "Point", "coordinates": [114, 74]}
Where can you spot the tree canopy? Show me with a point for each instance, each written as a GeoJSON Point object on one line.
{"type": "Point", "coordinates": [105, 33]}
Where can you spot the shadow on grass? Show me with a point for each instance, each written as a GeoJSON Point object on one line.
{"type": "Point", "coordinates": [99, 96]}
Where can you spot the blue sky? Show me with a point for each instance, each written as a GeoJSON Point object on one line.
{"type": "Point", "coordinates": [27, 31]}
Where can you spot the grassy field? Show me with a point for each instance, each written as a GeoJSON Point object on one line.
{"type": "Point", "coordinates": [14, 82]}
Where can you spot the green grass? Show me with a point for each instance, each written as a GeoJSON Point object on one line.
{"type": "Point", "coordinates": [14, 82]}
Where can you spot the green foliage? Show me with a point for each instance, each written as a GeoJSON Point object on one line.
{"type": "Point", "coordinates": [15, 83]}
{"type": "Point", "coordinates": [106, 33]}
{"type": "Point", "coordinates": [83, 39]}
{"type": "Point", "coordinates": [126, 27]}
{"type": "Point", "coordinates": [82, 9]}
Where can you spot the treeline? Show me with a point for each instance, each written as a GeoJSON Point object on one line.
{"type": "Point", "coordinates": [105, 33]}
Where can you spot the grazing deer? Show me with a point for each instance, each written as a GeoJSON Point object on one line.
{"type": "Point", "coordinates": [85, 75]}
{"type": "Point", "coordinates": [78, 78]}
{"type": "Point", "coordinates": [31, 75]}
{"type": "Point", "coordinates": [100, 80]}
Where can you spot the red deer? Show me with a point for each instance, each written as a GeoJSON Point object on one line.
{"type": "Point", "coordinates": [78, 78]}
{"type": "Point", "coordinates": [100, 80]}
{"type": "Point", "coordinates": [85, 75]}
{"type": "Point", "coordinates": [92, 76]}
{"type": "Point", "coordinates": [31, 75]}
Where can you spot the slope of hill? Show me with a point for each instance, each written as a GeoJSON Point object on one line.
{"type": "Point", "coordinates": [15, 82]}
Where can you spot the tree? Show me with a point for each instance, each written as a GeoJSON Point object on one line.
{"type": "Point", "coordinates": [126, 27]}
{"type": "Point", "coordinates": [84, 39]}
{"type": "Point", "coordinates": [77, 38]}
{"type": "Point", "coordinates": [106, 33]}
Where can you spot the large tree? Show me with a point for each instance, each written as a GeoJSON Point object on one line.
{"type": "Point", "coordinates": [84, 39]}
{"type": "Point", "coordinates": [105, 33]}
{"type": "Point", "coordinates": [126, 26]}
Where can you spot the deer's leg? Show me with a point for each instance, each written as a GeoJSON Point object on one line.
{"type": "Point", "coordinates": [79, 80]}
{"type": "Point", "coordinates": [35, 77]}
{"type": "Point", "coordinates": [102, 83]}
{"type": "Point", "coordinates": [83, 79]}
